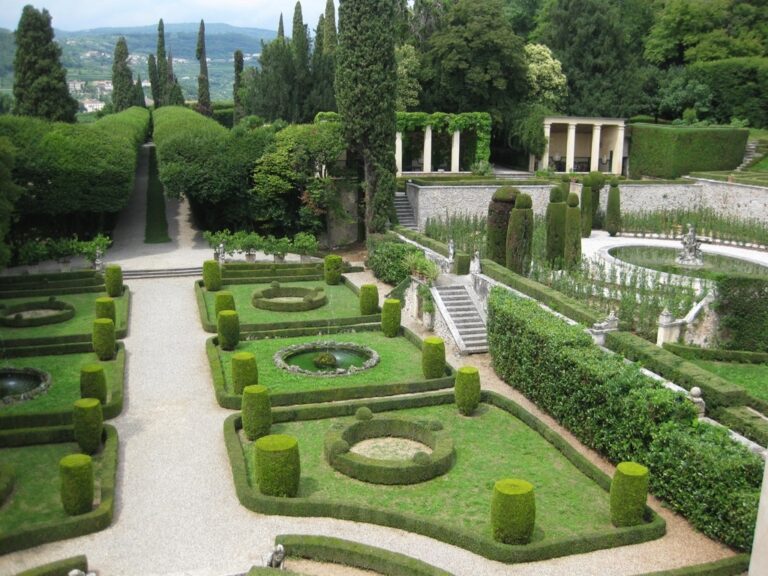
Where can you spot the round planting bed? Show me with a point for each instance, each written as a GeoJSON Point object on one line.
{"type": "Point", "coordinates": [38, 313]}
{"type": "Point", "coordinates": [20, 384]}
{"type": "Point", "coordinates": [435, 460]}
{"type": "Point", "coordinates": [326, 358]}
{"type": "Point", "coordinates": [289, 298]}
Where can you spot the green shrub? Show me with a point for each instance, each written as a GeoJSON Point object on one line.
{"type": "Point", "coordinates": [498, 221]}
{"type": "Point", "coordinates": [467, 389]}
{"type": "Point", "coordinates": [363, 413]}
{"type": "Point", "coordinates": [461, 262]}
{"type": "Point", "coordinates": [387, 260]}
{"type": "Point", "coordinates": [433, 357]}
{"type": "Point", "coordinates": [369, 299]}
{"type": "Point", "coordinates": [555, 219]}
{"type": "Point", "coordinates": [586, 208]}
{"type": "Point", "coordinates": [390, 317]}
{"type": "Point", "coordinates": [105, 308]}
{"type": "Point", "coordinates": [572, 250]}
{"type": "Point", "coordinates": [513, 511]}
{"type": "Point", "coordinates": [225, 300]}
{"type": "Point", "coordinates": [597, 180]}
{"type": "Point", "coordinates": [743, 308]}
{"type": "Point", "coordinates": [212, 275]}
{"type": "Point", "coordinates": [7, 481]}
{"type": "Point", "coordinates": [103, 338]}
{"type": "Point", "coordinates": [228, 329]}
{"type": "Point", "coordinates": [257, 411]}
{"type": "Point", "coordinates": [245, 371]}
{"type": "Point", "coordinates": [93, 382]}
{"type": "Point", "coordinates": [88, 424]}
{"type": "Point", "coordinates": [113, 280]}
{"type": "Point", "coordinates": [77, 486]}
{"type": "Point", "coordinates": [520, 235]}
{"type": "Point", "coordinates": [629, 491]}
{"type": "Point", "coordinates": [613, 211]}
{"type": "Point", "coordinates": [332, 267]}
{"type": "Point", "coordinates": [278, 468]}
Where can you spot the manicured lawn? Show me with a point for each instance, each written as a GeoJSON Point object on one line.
{"type": "Point", "coordinates": [489, 446]}
{"type": "Point", "coordinates": [753, 377]}
{"type": "Point", "coordinates": [82, 323]}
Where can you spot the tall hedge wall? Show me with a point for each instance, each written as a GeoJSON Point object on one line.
{"type": "Point", "coordinates": [612, 407]}
{"type": "Point", "coordinates": [672, 151]}
{"type": "Point", "coordinates": [743, 308]}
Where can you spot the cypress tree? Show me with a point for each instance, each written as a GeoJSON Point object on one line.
{"type": "Point", "coordinates": [498, 221]}
{"type": "Point", "coordinates": [300, 54]}
{"type": "Point", "coordinates": [162, 66]}
{"type": "Point", "coordinates": [40, 81]}
{"type": "Point", "coordinates": [203, 88]}
{"type": "Point", "coordinates": [123, 93]}
{"type": "Point", "coordinates": [154, 79]}
{"type": "Point", "coordinates": [280, 27]}
{"type": "Point", "coordinates": [572, 251]}
{"type": "Point", "coordinates": [329, 28]}
{"type": "Point", "coordinates": [520, 235]}
{"type": "Point", "coordinates": [173, 95]}
{"type": "Point", "coordinates": [613, 211]}
{"type": "Point", "coordinates": [586, 208]}
{"type": "Point", "coordinates": [366, 83]}
{"type": "Point", "coordinates": [236, 96]}
{"type": "Point", "coordinates": [555, 218]}
{"type": "Point", "coordinates": [138, 93]}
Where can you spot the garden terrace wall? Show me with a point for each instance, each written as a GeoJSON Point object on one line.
{"type": "Point", "coordinates": [485, 546]}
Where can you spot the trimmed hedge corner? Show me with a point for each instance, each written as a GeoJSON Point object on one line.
{"type": "Point", "coordinates": [88, 424]}
{"type": "Point", "coordinates": [332, 268]}
{"type": "Point", "coordinates": [113, 280]}
{"type": "Point", "coordinates": [93, 382]}
{"type": "Point", "coordinates": [433, 357]}
{"type": "Point", "coordinates": [278, 468]}
{"type": "Point", "coordinates": [467, 389]}
{"type": "Point", "coordinates": [245, 371]}
{"type": "Point", "coordinates": [513, 511]}
{"type": "Point", "coordinates": [105, 308]}
{"type": "Point", "coordinates": [103, 339]}
{"type": "Point", "coordinates": [257, 411]}
{"type": "Point", "coordinates": [369, 299]}
{"type": "Point", "coordinates": [629, 491]}
{"type": "Point", "coordinates": [58, 568]}
{"type": "Point", "coordinates": [228, 327]}
{"type": "Point", "coordinates": [390, 317]}
{"type": "Point", "coordinates": [77, 485]}
{"type": "Point", "coordinates": [211, 275]}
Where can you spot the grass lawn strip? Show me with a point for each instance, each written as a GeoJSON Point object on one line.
{"type": "Point", "coordinates": [752, 377]}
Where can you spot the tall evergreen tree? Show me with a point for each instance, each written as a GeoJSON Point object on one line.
{"type": "Point", "coordinates": [138, 93]}
{"type": "Point", "coordinates": [274, 82]}
{"type": "Point", "coordinates": [40, 81]}
{"type": "Point", "coordinates": [173, 95]}
{"type": "Point", "coordinates": [329, 28]}
{"type": "Point", "coordinates": [162, 66]}
{"type": "Point", "coordinates": [321, 97]}
{"type": "Point", "coordinates": [203, 88]}
{"type": "Point", "coordinates": [280, 27]}
{"type": "Point", "coordinates": [154, 80]}
{"type": "Point", "coordinates": [366, 82]}
{"type": "Point", "coordinates": [301, 78]}
{"type": "Point", "coordinates": [122, 78]}
{"type": "Point", "coordinates": [237, 97]}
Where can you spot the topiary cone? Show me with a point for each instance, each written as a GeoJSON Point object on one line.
{"type": "Point", "coordinates": [76, 475]}
{"type": "Point", "coordinates": [467, 389]}
{"type": "Point", "coordinates": [369, 299]}
{"type": "Point", "coordinates": [629, 491]}
{"type": "Point", "coordinates": [586, 209]}
{"type": "Point", "coordinates": [93, 382]}
{"type": "Point", "coordinates": [572, 250]}
{"type": "Point", "coordinates": [513, 511]}
{"type": "Point", "coordinates": [103, 338]}
{"type": "Point", "coordinates": [520, 235]}
{"type": "Point", "coordinates": [245, 371]}
{"type": "Point", "coordinates": [613, 210]}
{"type": "Point", "coordinates": [224, 300]}
{"type": "Point", "coordinates": [113, 280]}
{"type": "Point", "coordinates": [332, 267]}
{"type": "Point", "coordinates": [105, 308]}
{"type": "Point", "coordinates": [228, 328]}
{"type": "Point", "coordinates": [498, 221]}
{"type": "Point", "coordinates": [390, 317]}
{"type": "Point", "coordinates": [555, 222]}
{"type": "Point", "coordinates": [212, 275]}
{"type": "Point", "coordinates": [256, 411]}
{"type": "Point", "coordinates": [278, 467]}
{"type": "Point", "coordinates": [433, 357]}
{"type": "Point", "coordinates": [88, 424]}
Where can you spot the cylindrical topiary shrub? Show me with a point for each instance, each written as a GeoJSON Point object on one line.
{"type": "Point", "coordinates": [433, 357]}
{"type": "Point", "coordinates": [76, 474]}
{"type": "Point", "coordinates": [613, 210]}
{"type": "Point", "coordinates": [586, 208]}
{"type": "Point", "coordinates": [467, 389]}
{"type": "Point", "coordinates": [555, 218]}
{"type": "Point", "coordinates": [105, 308]}
{"type": "Point", "coordinates": [88, 424]}
{"type": "Point", "coordinates": [224, 300]}
{"type": "Point", "coordinates": [256, 411]}
{"type": "Point", "coordinates": [332, 266]}
{"type": "Point", "coordinates": [245, 371]}
{"type": "Point", "coordinates": [228, 328]}
{"type": "Point", "coordinates": [513, 511]}
{"type": "Point", "coordinates": [278, 468]}
{"type": "Point", "coordinates": [390, 317]}
{"type": "Point", "coordinates": [572, 250]}
{"type": "Point", "coordinates": [369, 299]}
{"type": "Point", "coordinates": [113, 280]}
{"type": "Point", "coordinates": [103, 338]}
{"type": "Point", "coordinates": [629, 490]}
{"type": "Point", "coordinates": [597, 180]}
{"type": "Point", "coordinates": [93, 382]}
{"type": "Point", "coordinates": [498, 221]}
{"type": "Point", "coordinates": [520, 235]}
{"type": "Point", "coordinates": [212, 275]}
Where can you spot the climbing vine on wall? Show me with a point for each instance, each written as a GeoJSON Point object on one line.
{"type": "Point", "coordinates": [480, 122]}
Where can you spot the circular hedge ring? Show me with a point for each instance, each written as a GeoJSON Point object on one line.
{"type": "Point", "coordinates": [283, 355]}
{"type": "Point", "coordinates": [278, 298]}
{"type": "Point", "coordinates": [39, 313]}
{"type": "Point", "coordinates": [420, 468]}
{"type": "Point", "coordinates": [20, 384]}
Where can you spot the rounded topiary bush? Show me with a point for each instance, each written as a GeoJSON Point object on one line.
{"type": "Point", "coordinates": [332, 266]}
{"type": "Point", "coordinates": [245, 371]}
{"type": "Point", "coordinates": [572, 250]}
{"type": "Point", "coordinates": [228, 329]}
{"type": "Point", "coordinates": [467, 389]}
{"type": "Point", "coordinates": [613, 210]}
{"type": "Point", "coordinates": [629, 490]}
{"type": "Point", "coordinates": [498, 220]}
{"type": "Point", "coordinates": [105, 308]}
{"type": "Point", "coordinates": [113, 280]}
{"type": "Point", "coordinates": [390, 317]}
{"type": "Point", "coordinates": [369, 299]}
{"type": "Point", "coordinates": [224, 300]}
{"type": "Point", "coordinates": [513, 511]}
{"type": "Point", "coordinates": [103, 338]}
{"type": "Point", "coordinates": [93, 382]}
{"type": "Point", "coordinates": [76, 474]}
{"type": "Point", "coordinates": [520, 235]}
{"type": "Point", "coordinates": [88, 424]}
{"type": "Point", "coordinates": [433, 357]}
{"type": "Point", "coordinates": [212, 275]}
{"type": "Point", "coordinates": [363, 413]}
{"type": "Point", "coordinates": [278, 468]}
{"type": "Point", "coordinates": [256, 411]}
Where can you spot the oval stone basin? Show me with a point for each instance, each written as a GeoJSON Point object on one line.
{"type": "Point", "coordinates": [18, 384]}
{"type": "Point", "coordinates": [344, 359]}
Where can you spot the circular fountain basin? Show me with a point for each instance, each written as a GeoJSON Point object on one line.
{"type": "Point", "coordinates": [326, 358]}
{"type": "Point", "coordinates": [664, 260]}
{"type": "Point", "coordinates": [20, 384]}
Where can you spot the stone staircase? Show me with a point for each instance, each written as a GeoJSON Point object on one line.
{"type": "Point", "coordinates": [750, 153]}
{"type": "Point", "coordinates": [164, 273]}
{"type": "Point", "coordinates": [404, 212]}
{"type": "Point", "coordinates": [466, 318]}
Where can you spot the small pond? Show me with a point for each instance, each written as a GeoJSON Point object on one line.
{"type": "Point", "coordinates": [663, 260]}
{"type": "Point", "coordinates": [19, 384]}
{"type": "Point", "coordinates": [326, 358]}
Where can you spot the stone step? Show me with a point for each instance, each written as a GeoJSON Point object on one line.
{"type": "Point", "coordinates": [165, 273]}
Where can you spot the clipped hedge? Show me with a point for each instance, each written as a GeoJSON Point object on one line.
{"type": "Point", "coordinates": [278, 467]}
{"type": "Point", "coordinates": [105, 308]}
{"type": "Point", "coordinates": [390, 317]}
{"type": "Point", "coordinates": [77, 485]}
{"type": "Point", "coordinates": [257, 411]}
{"type": "Point", "coordinates": [572, 247]}
{"type": "Point", "coordinates": [113, 280]}
{"type": "Point", "coordinates": [501, 205]}
{"type": "Point", "coordinates": [93, 382]}
{"type": "Point", "coordinates": [103, 338]}
{"type": "Point", "coordinates": [7, 481]}
{"type": "Point", "coordinates": [461, 260]}
{"type": "Point", "coordinates": [63, 312]}
{"type": "Point", "coordinates": [332, 268]}
{"type": "Point", "coordinates": [225, 300]}
{"type": "Point", "coordinates": [742, 305]}
{"type": "Point", "coordinates": [629, 491]}
{"type": "Point", "coordinates": [555, 219]}
{"type": "Point", "coordinates": [467, 389]}
{"type": "Point", "coordinates": [212, 275]}
{"type": "Point", "coordinates": [228, 327]}
{"type": "Point", "coordinates": [268, 298]}
{"type": "Point", "coordinates": [716, 354]}
{"type": "Point", "coordinates": [369, 299]}
{"type": "Point", "coordinates": [88, 424]}
{"type": "Point", "coordinates": [586, 208]}
{"type": "Point", "coordinates": [245, 371]}
{"type": "Point", "coordinates": [513, 511]}
{"type": "Point", "coordinates": [613, 210]}
{"type": "Point", "coordinates": [433, 357]}
{"type": "Point", "coordinates": [58, 568]}
{"type": "Point", "coordinates": [520, 235]}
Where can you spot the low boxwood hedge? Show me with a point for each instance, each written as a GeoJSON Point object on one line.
{"type": "Point", "coordinates": [58, 568]}
{"type": "Point", "coordinates": [716, 354]}
{"type": "Point", "coordinates": [12, 315]}
{"type": "Point", "coordinates": [744, 421]}
{"type": "Point", "coordinates": [732, 566]}
{"type": "Point", "coordinates": [51, 284]}
{"type": "Point", "coordinates": [268, 298]}
{"type": "Point", "coordinates": [7, 481]}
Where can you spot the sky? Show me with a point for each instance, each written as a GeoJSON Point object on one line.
{"type": "Point", "coordinates": [73, 15]}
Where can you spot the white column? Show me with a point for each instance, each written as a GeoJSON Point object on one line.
{"type": "Point", "coordinates": [427, 167]}
{"type": "Point", "coordinates": [531, 162]}
{"type": "Point", "coordinates": [399, 152]}
{"type": "Point", "coordinates": [544, 164]}
{"type": "Point", "coordinates": [758, 563]}
{"type": "Point", "coordinates": [455, 149]}
{"type": "Point", "coordinates": [594, 160]}
{"type": "Point", "coordinates": [570, 148]}
{"type": "Point", "coordinates": [618, 149]}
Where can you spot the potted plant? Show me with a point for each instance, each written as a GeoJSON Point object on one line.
{"type": "Point", "coordinates": [421, 267]}
{"type": "Point", "coordinates": [278, 247]}
{"type": "Point", "coordinates": [93, 250]}
{"type": "Point", "coordinates": [222, 238]}
{"type": "Point", "coordinates": [426, 306]}
{"type": "Point", "coordinates": [250, 243]}
{"type": "Point", "coordinates": [32, 252]}
{"type": "Point", "coordinates": [305, 243]}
